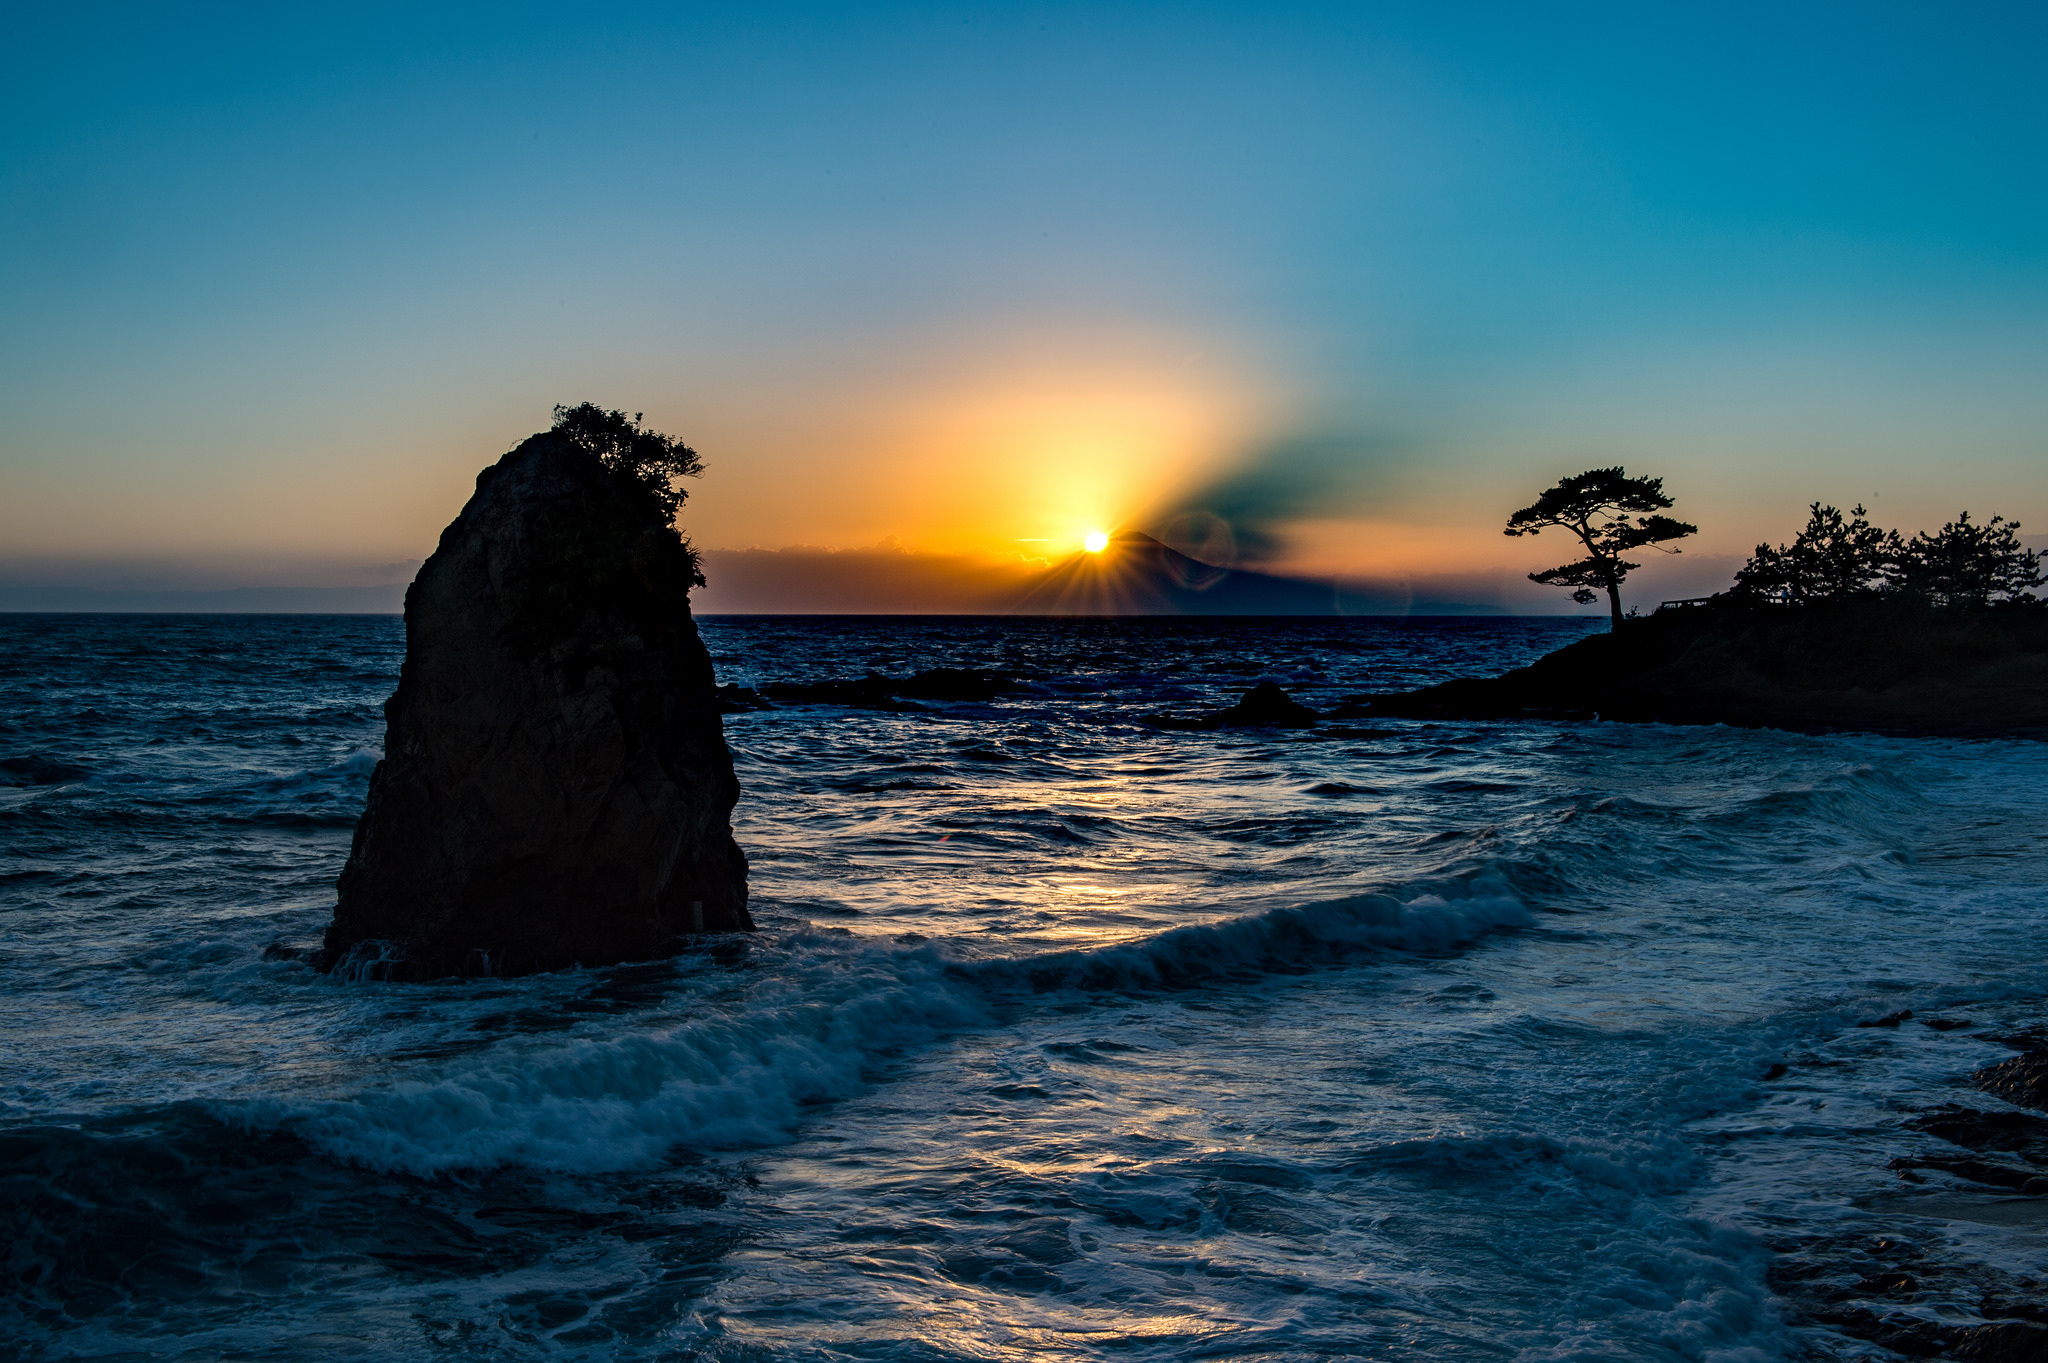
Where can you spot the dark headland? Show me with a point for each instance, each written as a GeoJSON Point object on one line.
{"type": "Point", "coordinates": [1890, 666]}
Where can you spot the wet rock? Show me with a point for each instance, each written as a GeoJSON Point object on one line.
{"type": "Point", "coordinates": [1889, 1019]}
{"type": "Point", "coordinates": [1945, 1024]}
{"type": "Point", "coordinates": [958, 683]}
{"type": "Point", "coordinates": [1264, 706]}
{"type": "Point", "coordinates": [1915, 1337]}
{"type": "Point", "coordinates": [1992, 1174]}
{"type": "Point", "coordinates": [871, 692]}
{"type": "Point", "coordinates": [1976, 1129]}
{"type": "Point", "coordinates": [734, 699]}
{"type": "Point", "coordinates": [556, 788]}
{"type": "Point", "coordinates": [1935, 1300]}
{"type": "Point", "coordinates": [2022, 1080]}
{"type": "Point", "coordinates": [2032, 1307]}
{"type": "Point", "coordinates": [1891, 1284]}
{"type": "Point", "coordinates": [2017, 1142]}
{"type": "Point", "coordinates": [2009, 1341]}
{"type": "Point", "coordinates": [878, 692]}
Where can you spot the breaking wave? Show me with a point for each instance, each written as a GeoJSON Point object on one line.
{"type": "Point", "coordinates": [743, 1074]}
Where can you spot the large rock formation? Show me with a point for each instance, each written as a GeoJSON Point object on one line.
{"type": "Point", "coordinates": [556, 789]}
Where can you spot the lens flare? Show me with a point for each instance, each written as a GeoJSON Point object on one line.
{"type": "Point", "coordinates": [1096, 542]}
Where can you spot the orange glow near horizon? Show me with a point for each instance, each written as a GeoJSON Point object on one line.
{"type": "Point", "coordinates": [1005, 448]}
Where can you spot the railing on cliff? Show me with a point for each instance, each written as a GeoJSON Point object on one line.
{"type": "Point", "coordinates": [1706, 600]}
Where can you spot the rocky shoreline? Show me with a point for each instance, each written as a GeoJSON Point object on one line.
{"type": "Point", "coordinates": [1865, 666]}
{"type": "Point", "coordinates": [1875, 666]}
{"type": "Point", "coordinates": [1904, 1282]}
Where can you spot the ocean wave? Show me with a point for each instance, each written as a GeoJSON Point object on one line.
{"type": "Point", "coordinates": [1643, 1166]}
{"type": "Point", "coordinates": [359, 762]}
{"type": "Point", "coordinates": [743, 1074]}
{"type": "Point", "coordinates": [1438, 918]}
{"type": "Point", "coordinates": [739, 1076]}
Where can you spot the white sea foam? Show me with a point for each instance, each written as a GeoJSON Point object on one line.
{"type": "Point", "coordinates": [1681, 1287]}
{"type": "Point", "coordinates": [1207, 1140]}
{"type": "Point", "coordinates": [742, 1073]}
{"type": "Point", "coordinates": [739, 1075]}
{"type": "Point", "coordinates": [1438, 919]}
{"type": "Point", "coordinates": [361, 762]}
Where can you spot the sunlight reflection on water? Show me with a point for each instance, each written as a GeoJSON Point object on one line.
{"type": "Point", "coordinates": [1065, 1035]}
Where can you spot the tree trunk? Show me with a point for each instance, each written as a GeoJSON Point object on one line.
{"type": "Point", "coordinates": [1614, 600]}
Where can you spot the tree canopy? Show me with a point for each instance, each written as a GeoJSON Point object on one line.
{"type": "Point", "coordinates": [648, 459]}
{"type": "Point", "coordinates": [1836, 558]}
{"type": "Point", "coordinates": [1966, 564]}
{"type": "Point", "coordinates": [1612, 514]}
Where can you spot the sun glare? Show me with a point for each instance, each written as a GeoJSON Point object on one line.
{"type": "Point", "coordinates": [1096, 541]}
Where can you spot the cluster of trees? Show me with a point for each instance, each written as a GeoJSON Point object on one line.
{"type": "Point", "coordinates": [648, 460]}
{"type": "Point", "coordinates": [1837, 557]}
{"type": "Point", "coordinates": [1841, 557]}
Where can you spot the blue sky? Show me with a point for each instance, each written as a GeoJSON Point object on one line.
{"type": "Point", "coordinates": [274, 285]}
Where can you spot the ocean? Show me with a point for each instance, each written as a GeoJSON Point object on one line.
{"type": "Point", "coordinates": [1063, 1037]}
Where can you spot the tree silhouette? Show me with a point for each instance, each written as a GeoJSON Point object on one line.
{"type": "Point", "coordinates": [1604, 508]}
{"type": "Point", "coordinates": [1966, 565]}
{"type": "Point", "coordinates": [647, 459]}
{"type": "Point", "coordinates": [1834, 558]}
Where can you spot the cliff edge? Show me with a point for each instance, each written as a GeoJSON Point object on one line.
{"type": "Point", "coordinates": [556, 789]}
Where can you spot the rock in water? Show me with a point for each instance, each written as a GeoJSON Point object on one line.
{"type": "Point", "coordinates": [2021, 1081]}
{"type": "Point", "coordinates": [1266, 704]}
{"type": "Point", "coordinates": [556, 789]}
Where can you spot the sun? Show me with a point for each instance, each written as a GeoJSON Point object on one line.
{"type": "Point", "coordinates": [1096, 541]}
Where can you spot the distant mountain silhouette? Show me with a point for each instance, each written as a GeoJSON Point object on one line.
{"type": "Point", "coordinates": [1138, 575]}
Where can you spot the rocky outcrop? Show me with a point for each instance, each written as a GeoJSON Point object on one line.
{"type": "Point", "coordinates": [2021, 1081]}
{"type": "Point", "coordinates": [877, 692]}
{"type": "Point", "coordinates": [556, 788]}
{"type": "Point", "coordinates": [1893, 1276]}
{"type": "Point", "coordinates": [1265, 706]}
{"type": "Point", "coordinates": [1883, 666]}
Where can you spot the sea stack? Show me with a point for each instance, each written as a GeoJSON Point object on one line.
{"type": "Point", "coordinates": [555, 789]}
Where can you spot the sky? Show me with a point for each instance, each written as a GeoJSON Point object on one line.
{"type": "Point", "coordinates": [937, 290]}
